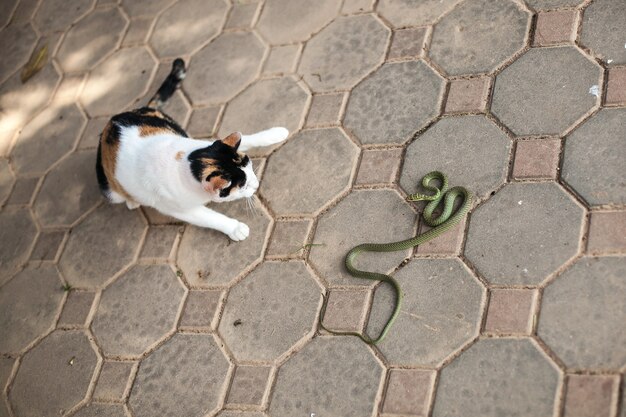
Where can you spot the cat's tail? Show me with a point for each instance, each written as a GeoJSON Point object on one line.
{"type": "Point", "coordinates": [170, 84]}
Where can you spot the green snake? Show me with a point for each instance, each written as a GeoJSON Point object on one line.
{"type": "Point", "coordinates": [440, 224]}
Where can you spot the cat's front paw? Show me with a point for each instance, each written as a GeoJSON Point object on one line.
{"type": "Point", "coordinates": [239, 232]}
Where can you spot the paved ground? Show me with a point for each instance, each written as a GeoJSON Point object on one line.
{"type": "Point", "coordinates": [518, 312]}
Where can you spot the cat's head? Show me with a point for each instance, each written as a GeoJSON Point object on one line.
{"type": "Point", "coordinates": [224, 173]}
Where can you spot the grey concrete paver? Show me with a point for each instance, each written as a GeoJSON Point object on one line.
{"type": "Point", "coordinates": [128, 319]}
{"type": "Point", "coordinates": [590, 285]}
{"type": "Point", "coordinates": [52, 16]}
{"type": "Point", "coordinates": [248, 386]}
{"type": "Point", "coordinates": [343, 52]}
{"type": "Point", "coordinates": [54, 376]}
{"type": "Point", "coordinates": [241, 15]}
{"type": "Point", "coordinates": [17, 42]}
{"type": "Point", "coordinates": [593, 156]}
{"type": "Point", "coordinates": [17, 233]}
{"type": "Point", "coordinates": [394, 102]}
{"type": "Point", "coordinates": [76, 308]}
{"type": "Point", "coordinates": [299, 384]}
{"type": "Point", "coordinates": [113, 380]}
{"type": "Point", "coordinates": [47, 246]}
{"type": "Point", "coordinates": [556, 83]}
{"type": "Point", "coordinates": [292, 166]}
{"type": "Point", "coordinates": [511, 377]}
{"type": "Point", "coordinates": [604, 23]}
{"type": "Point", "coordinates": [183, 377]}
{"type": "Point", "coordinates": [440, 312]}
{"type": "Point", "coordinates": [145, 8]}
{"type": "Point", "coordinates": [101, 410]}
{"type": "Point", "coordinates": [478, 35]}
{"type": "Point", "coordinates": [29, 304]}
{"type": "Point", "coordinates": [269, 311]}
{"type": "Point", "coordinates": [95, 36]}
{"type": "Point", "coordinates": [288, 238]}
{"type": "Point", "coordinates": [200, 308]}
{"type": "Point", "coordinates": [414, 12]}
{"type": "Point", "coordinates": [224, 67]}
{"type": "Point", "coordinates": [159, 242]}
{"type": "Point", "coordinates": [552, 4]}
{"type": "Point", "coordinates": [541, 245]}
{"type": "Point", "coordinates": [23, 191]}
{"type": "Point", "coordinates": [452, 146]}
{"type": "Point", "coordinates": [6, 180]}
{"type": "Point", "coordinates": [281, 59]}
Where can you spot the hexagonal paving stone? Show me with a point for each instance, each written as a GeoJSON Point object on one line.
{"type": "Point", "coordinates": [137, 310]}
{"type": "Point", "coordinates": [223, 67]}
{"type": "Point", "coordinates": [376, 216]}
{"type": "Point", "coordinates": [275, 305]}
{"type": "Point", "coordinates": [287, 21]}
{"type": "Point", "coordinates": [397, 100]}
{"type": "Point", "coordinates": [594, 157]}
{"type": "Point", "coordinates": [101, 410]}
{"type": "Point", "coordinates": [350, 373]}
{"type": "Point", "coordinates": [54, 15]}
{"type": "Point", "coordinates": [265, 104]}
{"type": "Point", "coordinates": [578, 319]}
{"type": "Point", "coordinates": [6, 180]}
{"type": "Point", "coordinates": [7, 8]}
{"type": "Point", "coordinates": [452, 146]}
{"type": "Point", "coordinates": [16, 42]}
{"type": "Point", "coordinates": [186, 26]}
{"type": "Point", "coordinates": [47, 384]}
{"type": "Point", "coordinates": [343, 52]}
{"type": "Point", "coordinates": [511, 378]}
{"type": "Point", "coordinates": [17, 233]}
{"type": "Point", "coordinates": [513, 238]}
{"type": "Point", "coordinates": [145, 8]}
{"type": "Point", "coordinates": [101, 245]}
{"type": "Point", "coordinates": [29, 304]}
{"type": "Point", "coordinates": [47, 138]}
{"type": "Point", "coordinates": [441, 312]}
{"type": "Point", "coordinates": [184, 377]}
{"type": "Point", "coordinates": [413, 12]}
{"type": "Point", "coordinates": [295, 167]}
{"type": "Point", "coordinates": [604, 25]}
{"type": "Point", "coordinates": [208, 257]}
{"type": "Point", "coordinates": [118, 81]}
{"type": "Point", "coordinates": [91, 39]}
{"type": "Point", "coordinates": [478, 35]}
{"type": "Point", "coordinates": [68, 191]}
{"type": "Point", "coordinates": [545, 91]}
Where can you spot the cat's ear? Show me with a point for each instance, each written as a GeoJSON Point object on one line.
{"type": "Point", "coordinates": [215, 183]}
{"type": "Point", "coordinates": [233, 140]}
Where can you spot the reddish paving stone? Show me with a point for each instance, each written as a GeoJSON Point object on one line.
{"type": "Point", "coordinates": [200, 308]}
{"type": "Point", "coordinates": [537, 158]}
{"type": "Point", "coordinates": [509, 376]}
{"type": "Point", "coordinates": [603, 27]}
{"type": "Point", "coordinates": [555, 27]}
{"type": "Point", "coordinates": [54, 376]}
{"type": "Point", "coordinates": [248, 386]}
{"type": "Point", "coordinates": [298, 390]}
{"type": "Point", "coordinates": [407, 43]}
{"type": "Point", "coordinates": [590, 395]}
{"type": "Point", "coordinates": [379, 166]}
{"type": "Point", "coordinates": [23, 191]}
{"type": "Point", "coordinates": [468, 96]}
{"type": "Point", "coordinates": [76, 308]}
{"type": "Point", "coordinates": [241, 15]}
{"type": "Point", "coordinates": [345, 310]}
{"type": "Point", "coordinates": [113, 380]}
{"type": "Point", "coordinates": [325, 109]}
{"type": "Point", "coordinates": [552, 4]}
{"type": "Point", "coordinates": [478, 35]}
{"type": "Point", "coordinates": [282, 59]}
{"type": "Point", "coordinates": [159, 242]}
{"type": "Point", "coordinates": [510, 311]}
{"type": "Point", "coordinates": [607, 232]}
{"type": "Point", "coordinates": [288, 238]}
{"type": "Point", "coordinates": [201, 20]}
{"type": "Point", "coordinates": [591, 285]}
{"type": "Point", "coordinates": [409, 391]}
{"type": "Point", "coordinates": [47, 246]}
{"type": "Point", "coordinates": [137, 32]}
{"type": "Point", "coordinates": [285, 21]}
{"type": "Point", "coordinates": [343, 52]}
{"type": "Point", "coordinates": [616, 89]}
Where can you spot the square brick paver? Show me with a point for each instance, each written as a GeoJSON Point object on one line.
{"type": "Point", "coordinates": [607, 232]}
{"type": "Point", "coordinates": [345, 310]}
{"type": "Point", "coordinates": [288, 238]}
{"type": "Point", "coordinates": [202, 122]}
{"type": "Point", "coordinates": [536, 158]}
{"type": "Point", "coordinates": [616, 88]}
{"type": "Point", "coordinates": [23, 191]}
{"type": "Point", "coordinates": [200, 308]}
{"type": "Point", "coordinates": [589, 395]}
{"type": "Point", "coordinates": [409, 392]}
{"type": "Point", "coordinates": [113, 380]}
{"type": "Point", "coordinates": [448, 243]}
{"type": "Point", "coordinates": [242, 15]}
{"type": "Point", "coordinates": [47, 246]}
{"type": "Point", "coordinates": [468, 95]}
{"type": "Point", "coordinates": [137, 31]}
{"type": "Point", "coordinates": [282, 59]}
{"type": "Point", "coordinates": [554, 27]}
{"type": "Point", "coordinates": [379, 166]}
{"type": "Point", "coordinates": [407, 43]}
{"type": "Point", "coordinates": [76, 308]}
{"type": "Point", "coordinates": [325, 110]}
{"type": "Point", "coordinates": [510, 311]}
{"type": "Point", "coordinates": [159, 242]}
{"type": "Point", "coordinates": [357, 6]}
{"type": "Point", "coordinates": [248, 385]}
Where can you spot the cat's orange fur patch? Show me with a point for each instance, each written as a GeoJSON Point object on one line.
{"type": "Point", "coordinates": [109, 149]}
{"type": "Point", "coordinates": [179, 155]}
{"type": "Point", "coordinates": [146, 130]}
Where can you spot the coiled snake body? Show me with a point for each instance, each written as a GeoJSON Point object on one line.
{"type": "Point", "coordinates": [441, 224]}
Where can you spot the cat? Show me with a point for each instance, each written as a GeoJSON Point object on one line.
{"type": "Point", "coordinates": [146, 158]}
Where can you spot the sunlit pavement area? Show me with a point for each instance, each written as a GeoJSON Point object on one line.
{"type": "Point", "coordinates": [519, 311]}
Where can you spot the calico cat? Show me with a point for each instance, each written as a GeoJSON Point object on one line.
{"type": "Point", "coordinates": [146, 158]}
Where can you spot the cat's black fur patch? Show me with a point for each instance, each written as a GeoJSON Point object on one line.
{"type": "Point", "coordinates": [169, 86]}
{"type": "Point", "coordinates": [229, 164]}
{"type": "Point", "coordinates": [103, 182]}
{"type": "Point", "coordinates": [142, 117]}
